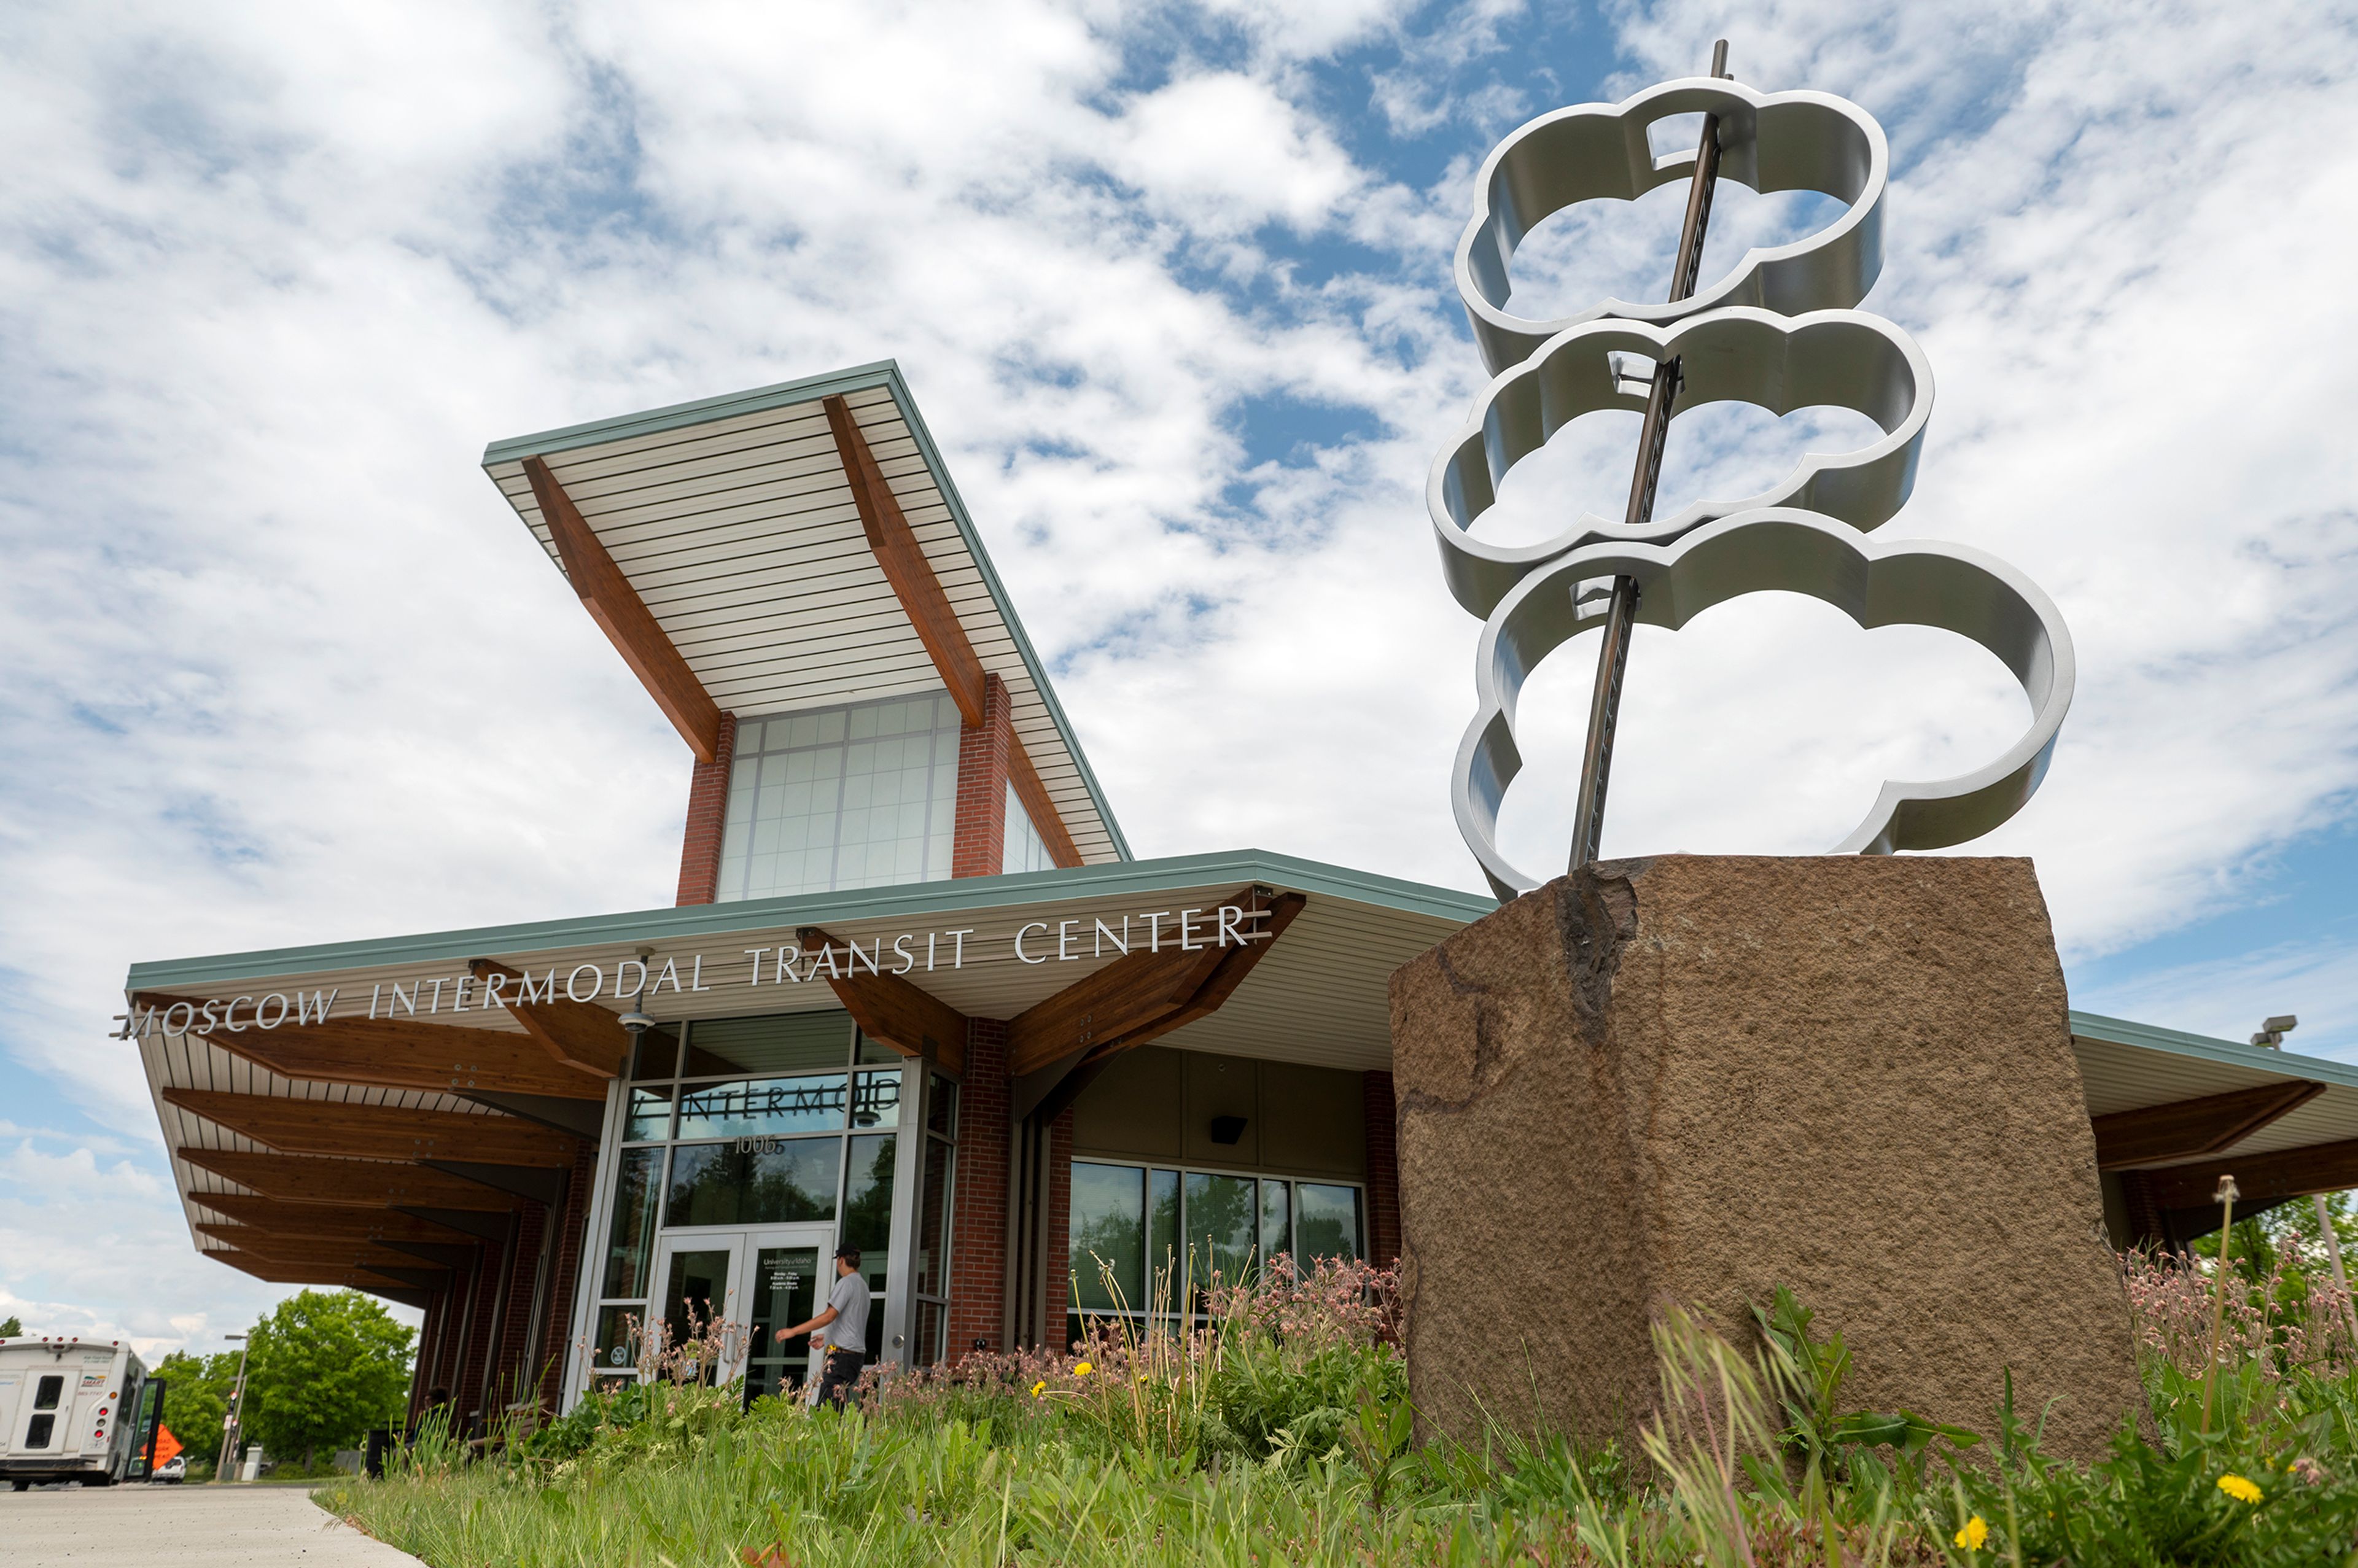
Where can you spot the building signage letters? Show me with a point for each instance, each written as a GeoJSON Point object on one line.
{"type": "Point", "coordinates": [639, 981]}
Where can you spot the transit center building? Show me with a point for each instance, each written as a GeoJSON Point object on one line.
{"type": "Point", "coordinates": [914, 994]}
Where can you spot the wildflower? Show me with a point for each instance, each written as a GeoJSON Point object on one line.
{"type": "Point", "coordinates": [2308, 1470]}
{"type": "Point", "coordinates": [1083, 1369]}
{"type": "Point", "coordinates": [2240, 1489]}
{"type": "Point", "coordinates": [1039, 1388]}
{"type": "Point", "coordinates": [1975, 1532]}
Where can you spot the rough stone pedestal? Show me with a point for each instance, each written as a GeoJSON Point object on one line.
{"type": "Point", "coordinates": [1692, 1079]}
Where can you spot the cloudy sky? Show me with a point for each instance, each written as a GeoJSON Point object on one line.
{"type": "Point", "coordinates": [1171, 284]}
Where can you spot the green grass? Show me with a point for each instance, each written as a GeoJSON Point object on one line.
{"type": "Point", "coordinates": [1283, 1437]}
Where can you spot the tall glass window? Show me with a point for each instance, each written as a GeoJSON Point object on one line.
{"type": "Point", "coordinates": [1023, 851]}
{"type": "Point", "coordinates": [845, 797]}
{"type": "Point", "coordinates": [1142, 1239]}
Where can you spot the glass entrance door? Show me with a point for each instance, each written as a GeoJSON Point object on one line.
{"type": "Point", "coordinates": [698, 1278]}
{"type": "Point", "coordinates": [787, 1270]}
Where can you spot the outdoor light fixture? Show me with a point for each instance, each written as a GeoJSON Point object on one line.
{"type": "Point", "coordinates": [1226, 1129]}
{"type": "Point", "coordinates": [637, 1022]}
{"type": "Point", "coordinates": [2273, 1031]}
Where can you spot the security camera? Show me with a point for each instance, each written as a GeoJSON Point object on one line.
{"type": "Point", "coordinates": [638, 1023]}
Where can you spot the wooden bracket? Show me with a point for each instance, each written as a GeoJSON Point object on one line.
{"type": "Point", "coordinates": [578, 1034]}
{"type": "Point", "coordinates": [890, 1010]}
{"type": "Point", "coordinates": [1145, 995]}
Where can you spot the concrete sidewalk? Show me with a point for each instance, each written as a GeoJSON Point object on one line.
{"type": "Point", "coordinates": [182, 1527]}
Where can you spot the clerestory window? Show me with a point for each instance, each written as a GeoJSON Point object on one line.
{"type": "Point", "coordinates": [842, 798]}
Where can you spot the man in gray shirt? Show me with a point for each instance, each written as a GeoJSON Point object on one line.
{"type": "Point", "coordinates": [846, 1322]}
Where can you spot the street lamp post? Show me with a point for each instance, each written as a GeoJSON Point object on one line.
{"type": "Point", "coordinates": [236, 1419]}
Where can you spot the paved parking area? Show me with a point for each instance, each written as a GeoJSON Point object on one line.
{"type": "Point", "coordinates": [182, 1527]}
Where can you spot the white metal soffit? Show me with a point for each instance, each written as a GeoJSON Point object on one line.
{"type": "Point", "coordinates": [740, 534]}
{"type": "Point", "coordinates": [2128, 1075]}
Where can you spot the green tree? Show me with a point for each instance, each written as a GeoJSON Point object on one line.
{"type": "Point", "coordinates": [11, 1327]}
{"type": "Point", "coordinates": [196, 1401]}
{"type": "Point", "coordinates": [324, 1368]}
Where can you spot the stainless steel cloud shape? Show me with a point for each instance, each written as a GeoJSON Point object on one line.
{"type": "Point", "coordinates": [1904, 582]}
{"type": "Point", "coordinates": [1841, 358]}
{"type": "Point", "coordinates": [1773, 141]}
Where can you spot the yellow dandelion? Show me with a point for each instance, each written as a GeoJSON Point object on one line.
{"type": "Point", "coordinates": [1974, 1535]}
{"type": "Point", "coordinates": [1039, 1388]}
{"type": "Point", "coordinates": [2241, 1490]}
{"type": "Point", "coordinates": [1083, 1369]}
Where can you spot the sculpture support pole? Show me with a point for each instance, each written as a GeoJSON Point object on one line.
{"type": "Point", "coordinates": [1621, 618]}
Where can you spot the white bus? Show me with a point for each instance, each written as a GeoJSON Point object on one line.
{"type": "Point", "coordinates": [73, 1409]}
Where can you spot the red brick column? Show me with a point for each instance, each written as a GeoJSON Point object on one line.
{"type": "Point", "coordinates": [979, 845]}
{"type": "Point", "coordinates": [707, 813]}
{"type": "Point", "coordinates": [977, 1272]}
{"type": "Point", "coordinates": [1383, 1168]}
{"type": "Point", "coordinates": [1058, 1227]}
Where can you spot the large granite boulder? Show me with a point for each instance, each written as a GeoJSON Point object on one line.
{"type": "Point", "coordinates": [1690, 1079]}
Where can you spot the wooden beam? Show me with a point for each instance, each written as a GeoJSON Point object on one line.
{"type": "Point", "coordinates": [893, 1010]}
{"type": "Point", "coordinates": [330, 1221]}
{"type": "Point", "coordinates": [1136, 998]}
{"type": "Point", "coordinates": [300, 1178]}
{"type": "Point", "coordinates": [377, 1131]}
{"type": "Point", "coordinates": [2261, 1178]}
{"type": "Point", "coordinates": [2185, 1128]}
{"type": "Point", "coordinates": [623, 616]}
{"type": "Point", "coordinates": [577, 1034]}
{"type": "Point", "coordinates": [305, 1275]}
{"type": "Point", "coordinates": [905, 566]}
{"type": "Point", "coordinates": [401, 1054]}
{"type": "Point", "coordinates": [279, 1248]}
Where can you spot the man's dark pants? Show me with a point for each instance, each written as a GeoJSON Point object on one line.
{"type": "Point", "coordinates": [843, 1370]}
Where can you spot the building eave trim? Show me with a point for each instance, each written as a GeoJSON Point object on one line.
{"type": "Point", "coordinates": [2204, 1047]}
{"type": "Point", "coordinates": [1110, 880]}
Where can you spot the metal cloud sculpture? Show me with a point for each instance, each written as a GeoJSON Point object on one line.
{"type": "Point", "coordinates": [1777, 332]}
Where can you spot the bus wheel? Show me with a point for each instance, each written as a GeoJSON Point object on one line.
{"type": "Point", "coordinates": [19, 1486]}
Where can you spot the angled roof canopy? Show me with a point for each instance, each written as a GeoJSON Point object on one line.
{"type": "Point", "coordinates": [741, 553]}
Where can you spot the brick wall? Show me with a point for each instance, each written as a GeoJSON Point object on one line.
{"type": "Point", "coordinates": [557, 1350]}
{"type": "Point", "coordinates": [979, 1204]}
{"type": "Point", "coordinates": [512, 1371]}
{"type": "Point", "coordinates": [475, 1341]}
{"type": "Point", "coordinates": [979, 845]}
{"type": "Point", "coordinates": [1057, 1227]}
{"type": "Point", "coordinates": [707, 813]}
{"type": "Point", "coordinates": [1383, 1167]}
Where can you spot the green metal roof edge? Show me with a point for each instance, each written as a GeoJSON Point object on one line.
{"type": "Point", "coordinates": [2208, 1048]}
{"type": "Point", "coordinates": [862, 904]}
{"type": "Point", "coordinates": [702, 411]}
{"type": "Point", "coordinates": [882, 372]}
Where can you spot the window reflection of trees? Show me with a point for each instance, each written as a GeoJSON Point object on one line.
{"type": "Point", "coordinates": [720, 1183]}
